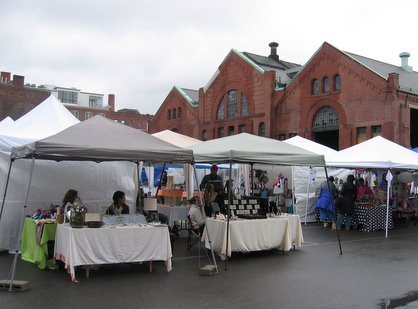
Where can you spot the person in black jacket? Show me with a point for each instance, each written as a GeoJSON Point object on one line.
{"type": "Point", "coordinates": [346, 210]}
{"type": "Point", "coordinates": [118, 206]}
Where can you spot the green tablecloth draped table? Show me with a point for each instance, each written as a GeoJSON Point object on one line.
{"type": "Point", "coordinates": [37, 251]}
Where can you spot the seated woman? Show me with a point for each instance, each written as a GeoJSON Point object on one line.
{"type": "Point", "coordinates": [68, 202]}
{"type": "Point", "coordinates": [118, 206]}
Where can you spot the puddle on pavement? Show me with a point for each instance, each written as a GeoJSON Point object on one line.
{"type": "Point", "coordinates": [409, 300]}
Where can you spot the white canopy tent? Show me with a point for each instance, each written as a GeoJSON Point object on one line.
{"type": "Point", "coordinates": [248, 148]}
{"type": "Point", "coordinates": [377, 153]}
{"type": "Point", "coordinates": [303, 187]}
{"type": "Point", "coordinates": [46, 119]}
{"type": "Point", "coordinates": [97, 139]}
{"type": "Point", "coordinates": [50, 179]}
{"type": "Point", "coordinates": [6, 123]}
{"type": "Point", "coordinates": [182, 141]}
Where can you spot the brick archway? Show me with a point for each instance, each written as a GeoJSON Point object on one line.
{"type": "Point", "coordinates": [334, 134]}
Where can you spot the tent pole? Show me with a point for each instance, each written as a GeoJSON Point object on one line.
{"type": "Point", "coordinates": [333, 206]}
{"type": "Point", "coordinates": [307, 193]}
{"type": "Point", "coordinates": [5, 187]}
{"type": "Point", "coordinates": [228, 212]}
{"type": "Point", "coordinates": [389, 181]}
{"type": "Point", "coordinates": [294, 210]}
{"type": "Point", "coordinates": [252, 179]}
{"type": "Point", "coordinates": [137, 181]}
{"type": "Point", "coordinates": [202, 202]}
{"type": "Point", "coordinates": [159, 182]}
{"type": "Point", "coordinates": [22, 219]}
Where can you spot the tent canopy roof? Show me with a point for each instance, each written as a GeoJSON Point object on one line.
{"type": "Point", "coordinates": [248, 148]}
{"type": "Point", "coordinates": [309, 145]}
{"type": "Point", "coordinates": [375, 153]}
{"type": "Point", "coordinates": [177, 139]}
{"type": "Point", "coordinates": [46, 119]}
{"type": "Point", "coordinates": [101, 139]}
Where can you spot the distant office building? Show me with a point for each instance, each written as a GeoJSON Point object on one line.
{"type": "Point", "coordinates": [17, 98]}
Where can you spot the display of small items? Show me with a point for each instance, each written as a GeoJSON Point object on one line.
{"type": "Point", "coordinates": [182, 224]}
{"type": "Point", "coordinates": [244, 207]}
{"type": "Point", "coordinates": [50, 213]}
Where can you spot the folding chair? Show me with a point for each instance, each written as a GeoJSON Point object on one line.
{"type": "Point", "coordinates": [193, 235]}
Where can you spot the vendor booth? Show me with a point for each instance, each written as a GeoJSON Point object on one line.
{"type": "Point", "coordinates": [251, 149]}
{"type": "Point", "coordinates": [377, 154]}
{"type": "Point", "coordinates": [97, 139]}
{"type": "Point", "coordinates": [95, 181]}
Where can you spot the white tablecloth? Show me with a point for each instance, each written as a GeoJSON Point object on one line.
{"type": "Point", "coordinates": [296, 234]}
{"type": "Point", "coordinates": [253, 235]}
{"type": "Point", "coordinates": [110, 245]}
{"type": "Point", "coordinates": [174, 213]}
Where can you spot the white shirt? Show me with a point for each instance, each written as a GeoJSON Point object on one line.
{"type": "Point", "coordinates": [197, 216]}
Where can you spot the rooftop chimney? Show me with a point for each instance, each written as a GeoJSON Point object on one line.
{"type": "Point", "coordinates": [273, 51]}
{"type": "Point", "coordinates": [404, 61]}
{"type": "Point", "coordinates": [111, 102]}
{"type": "Point", "coordinates": [18, 81]}
{"type": "Point", "coordinates": [5, 77]}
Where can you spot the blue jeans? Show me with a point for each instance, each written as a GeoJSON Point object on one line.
{"type": "Point", "coordinates": [340, 220]}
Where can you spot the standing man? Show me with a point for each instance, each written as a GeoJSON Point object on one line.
{"type": "Point", "coordinates": [213, 186]}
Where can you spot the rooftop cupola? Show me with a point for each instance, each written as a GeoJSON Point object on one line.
{"type": "Point", "coordinates": [404, 61]}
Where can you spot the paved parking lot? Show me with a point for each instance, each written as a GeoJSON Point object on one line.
{"type": "Point", "coordinates": [371, 270]}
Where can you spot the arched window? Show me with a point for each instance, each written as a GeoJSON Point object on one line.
{"type": "Point", "coordinates": [337, 83]}
{"type": "Point", "coordinates": [244, 105]}
{"type": "Point", "coordinates": [169, 114]}
{"type": "Point", "coordinates": [232, 103]}
{"type": "Point", "coordinates": [315, 87]}
{"type": "Point", "coordinates": [204, 135]}
{"type": "Point", "coordinates": [261, 129]}
{"type": "Point", "coordinates": [179, 113]}
{"type": "Point", "coordinates": [220, 112]}
{"type": "Point", "coordinates": [326, 119]}
{"type": "Point", "coordinates": [174, 113]}
{"type": "Point", "coordinates": [325, 85]}
{"type": "Point", "coordinates": [235, 101]}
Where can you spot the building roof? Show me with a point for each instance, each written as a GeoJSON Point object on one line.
{"type": "Point", "coordinates": [190, 95]}
{"type": "Point", "coordinates": [285, 71]}
{"type": "Point", "coordinates": [129, 111]}
{"type": "Point", "coordinates": [408, 81]}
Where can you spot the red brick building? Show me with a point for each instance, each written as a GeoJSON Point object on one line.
{"type": "Point", "coordinates": [18, 98]}
{"type": "Point", "coordinates": [337, 99]}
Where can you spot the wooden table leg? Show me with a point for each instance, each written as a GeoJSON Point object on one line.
{"type": "Point", "coordinates": [150, 266]}
{"type": "Point", "coordinates": [87, 271]}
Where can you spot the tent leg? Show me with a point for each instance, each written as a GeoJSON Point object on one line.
{"type": "Point", "coordinates": [333, 206]}
{"type": "Point", "coordinates": [206, 226]}
{"type": "Point", "coordinates": [307, 200]}
{"type": "Point", "coordinates": [228, 213]}
{"type": "Point", "coordinates": [5, 188]}
{"type": "Point", "coordinates": [389, 181]}
{"type": "Point", "coordinates": [21, 227]}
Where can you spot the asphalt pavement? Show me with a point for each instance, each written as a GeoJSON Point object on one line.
{"type": "Point", "coordinates": [372, 272]}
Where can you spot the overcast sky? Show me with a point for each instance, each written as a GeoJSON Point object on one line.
{"type": "Point", "coordinates": [138, 49]}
